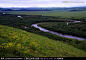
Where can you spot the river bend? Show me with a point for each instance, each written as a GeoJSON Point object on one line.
{"type": "Point", "coordinates": [62, 35]}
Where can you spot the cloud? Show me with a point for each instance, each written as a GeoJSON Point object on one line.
{"type": "Point", "coordinates": [39, 3]}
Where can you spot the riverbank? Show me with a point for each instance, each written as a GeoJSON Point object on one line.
{"type": "Point", "coordinates": [75, 29]}
{"type": "Point", "coordinates": [57, 33]}
{"type": "Point", "coordinates": [80, 44]}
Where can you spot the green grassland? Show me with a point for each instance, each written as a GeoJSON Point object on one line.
{"type": "Point", "coordinates": [63, 14]}
{"type": "Point", "coordinates": [19, 43]}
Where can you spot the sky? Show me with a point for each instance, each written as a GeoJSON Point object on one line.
{"type": "Point", "coordinates": [42, 3]}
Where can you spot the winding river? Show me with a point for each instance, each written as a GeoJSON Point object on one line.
{"type": "Point", "coordinates": [62, 35]}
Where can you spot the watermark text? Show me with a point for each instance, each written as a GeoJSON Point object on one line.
{"type": "Point", "coordinates": [73, 2]}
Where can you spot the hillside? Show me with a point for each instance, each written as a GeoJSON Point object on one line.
{"type": "Point", "coordinates": [18, 43]}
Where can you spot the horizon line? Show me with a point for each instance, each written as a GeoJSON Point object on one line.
{"type": "Point", "coordinates": [41, 7]}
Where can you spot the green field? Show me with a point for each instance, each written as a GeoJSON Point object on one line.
{"type": "Point", "coordinates": [63, 14]}
{"type": "Point", "coordinates": [26, 44]}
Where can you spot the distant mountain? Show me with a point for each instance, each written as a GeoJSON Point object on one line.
{"type": "Point", "coordinates": [78, 9]}
{"type": "Point", "coordinates": [24, 9]}
{"type": "Point", "coordinates": [45, 9]}
{"type": "Point", "coordinates": [75, 10]}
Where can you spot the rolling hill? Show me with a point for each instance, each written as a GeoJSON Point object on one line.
{"type": "Point", "coordinates": [19, 43]}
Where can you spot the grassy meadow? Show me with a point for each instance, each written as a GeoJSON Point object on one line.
{"type": "Point", "coordinates": [63, 14]}
{"type": "Point", "coordinates": [19, 43]}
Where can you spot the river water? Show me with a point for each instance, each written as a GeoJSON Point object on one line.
{"type": "Point", "coordinates": [62, 35]}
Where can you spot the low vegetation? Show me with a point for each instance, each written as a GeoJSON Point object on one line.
{"type": "Point", "coordinates": [19, 43]}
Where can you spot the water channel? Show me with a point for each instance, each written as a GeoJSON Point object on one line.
{"type": "Point", "coordinates": [60, 34]}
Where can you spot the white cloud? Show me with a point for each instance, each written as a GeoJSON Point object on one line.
{"type": "Point", "coordinates": [39, 3]}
